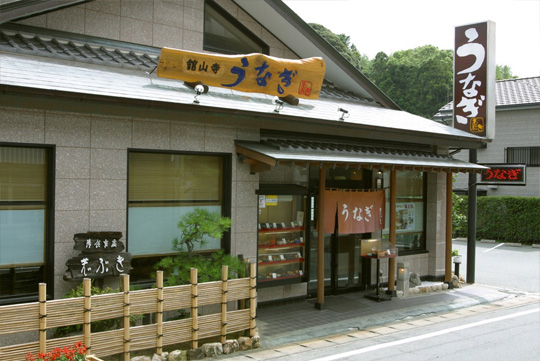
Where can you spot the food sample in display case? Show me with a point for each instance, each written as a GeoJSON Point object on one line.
{"type": "Point", "coordinates": [281, 242]}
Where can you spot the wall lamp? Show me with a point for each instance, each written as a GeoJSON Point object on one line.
{"type": "Point", "coordinates": [278, 103]}
{"type": "Point", "coordinates": [344, 113]}
{"type": "Point", "coordinates": [199, 87]}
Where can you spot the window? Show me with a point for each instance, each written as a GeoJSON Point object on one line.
{"type": "Point", "coordinates": [224, 34]}
{"type": "Point", "coordinates": [25, 218]}
{"type": "Point", "coordinates": [161, 188]}
{"type": "Point", "coordinates": [410, 201]}
{"type": "Point", "coordinates": [529, 156]}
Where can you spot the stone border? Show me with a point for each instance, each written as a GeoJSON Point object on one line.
{"type": "Point", "coordinates": [206, 350]}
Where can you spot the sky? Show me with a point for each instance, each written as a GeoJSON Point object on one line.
{"type": "Point", "coordinates": [394, 25]}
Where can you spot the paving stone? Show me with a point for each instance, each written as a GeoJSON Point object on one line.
{"type": "Point", "coordinates": [316, 344]}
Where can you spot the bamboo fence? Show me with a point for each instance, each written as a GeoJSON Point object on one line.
{"type": "Point", "coordinates": [45, 315]}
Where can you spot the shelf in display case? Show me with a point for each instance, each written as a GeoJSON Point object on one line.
{"type": "Point", "coordinates": [281, 239]}
{"type": "Point", "coordinates": [282, 230]}
{"type": "Point", "coordinates": [280, 278]}
{"type": "Point", "coordinates": [288, 245]}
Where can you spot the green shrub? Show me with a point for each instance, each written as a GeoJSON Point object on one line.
{"type": "Point", "coordinates": [505, 218]}
{"type": "Point", "coordinates": [97, 326]}
{"type": "Point", "coordinates": [194, 227]}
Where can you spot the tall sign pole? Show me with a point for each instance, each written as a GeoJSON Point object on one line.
{"type": "Point", "coordinates": [474, 105]}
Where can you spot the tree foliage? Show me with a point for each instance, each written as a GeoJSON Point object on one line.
{"type": "Point", "coordinates": [194, 227]}
{"type": "Point", "coordinates": [419, 80]}
{"type": "Point", "coordinates": [504, 72]}
{"type": "Point", "coordinates": [198, 224]}
{"type": "Point", "coordinates": [342, 43]}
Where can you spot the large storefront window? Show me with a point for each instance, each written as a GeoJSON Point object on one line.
{"type": "Point", "coordinates": [24, 210]}
{"type": "Point", "coordinates": [162, 187]}
{"type": "Point", "coordinates": [410, 210]}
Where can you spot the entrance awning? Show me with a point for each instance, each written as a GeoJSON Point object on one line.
{"type": "Point", "coordinates": [272, 152]}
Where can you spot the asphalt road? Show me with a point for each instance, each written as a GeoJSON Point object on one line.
{"type": "Point", "coordinates": [507, 267]}
{"type": "Point", "coordinates": [504, 334]}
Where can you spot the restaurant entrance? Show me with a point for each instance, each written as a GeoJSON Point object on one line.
{"type": "Point", "coordinates": [343, 270]}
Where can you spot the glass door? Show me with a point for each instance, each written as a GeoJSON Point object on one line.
{"type": "Point", "coordinates": [342, 261]}
{"type": "Point", "coordinates": [347, 262]}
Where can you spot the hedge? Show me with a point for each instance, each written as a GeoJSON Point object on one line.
{"type": "Point", "coordinates": [506, 219]}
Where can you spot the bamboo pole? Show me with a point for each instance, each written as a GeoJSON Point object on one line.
{"type": "Point", "coordinates": [194, 310]}
{"type": "Point", "coordinates": [320, 240]}
{"type": "Point", "coordinates": [252, 298]}
{"type": "Point", "coordinates": [224, 291]}
{"type": "Point", "coordinates": [43, 318]}
{"type": "Point", "coordinates": [159, 312]}
{"type": "Point", "coordinates": [448, 256]}
{"type": "Point", "coordinates": [126, 308]}
{"type": "Point", "coordinates": [87, 326]}
{"type": "Point", "coordinates": [392, 235]}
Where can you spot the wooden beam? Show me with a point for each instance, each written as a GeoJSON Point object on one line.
{"type": "Point", "coordinates": [258, 167]}
{"type": "Point", "coordinates": [392, 233]}
{"type": "Point", "coordinates": [255, 155]}
{"type": "Point", "coordinates": [320, 240]}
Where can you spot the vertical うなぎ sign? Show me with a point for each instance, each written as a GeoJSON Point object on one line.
{"type": "Point", "coordinates": [474, 79]}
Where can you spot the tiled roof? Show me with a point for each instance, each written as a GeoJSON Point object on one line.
{"type": "Point", "coordinates": [285, 151]}
{"type": "Point", "coordinates": [57, 47]}
{"type": "Point", "coordinates": [518, 91]}
{"type": "Point", "coordinates": [113, 69]}
{"type": "Point", "coordinates": [512, 92]}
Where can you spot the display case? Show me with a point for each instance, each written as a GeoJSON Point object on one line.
{"type": "Point", "coordinates": [281, 239]}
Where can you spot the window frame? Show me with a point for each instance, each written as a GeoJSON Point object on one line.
{"type": "Point", "coordinates": [529, 155]}
{"type": "Point", "coordinates": [386, 232]}
{"type": "Point", "coordinates": [265, 49]}
{"type": "Point", "coordinates": [226, 197]}
{"type": "Point", "coordinates": [49, 256]}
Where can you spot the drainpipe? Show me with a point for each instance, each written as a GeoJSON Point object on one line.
{"type": "Point", "coordinates": [448, 255]}
{"type": "Point", "coordinates": [471, 221]}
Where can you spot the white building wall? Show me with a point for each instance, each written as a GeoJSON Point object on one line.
{"type": "Point", "coordinates": [160, 23]}
{"type": "Point", "coordinates": [514, 128]}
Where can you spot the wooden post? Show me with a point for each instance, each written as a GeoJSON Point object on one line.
{"type": "Point", "coordinates": [127, 339]}
{"type": "Point", "coordinates": [320, 240]}
{"type": "Point", "coordinates": [252, 298]}
{"type": "Point", "coordinates": [43, 318]}
{"type": "Point", "coordinates": [392, 233]}
{"type": "Point", "coordinates": [448, 257]}
{"type": "Point", "coordinates": [224, 291]}
{"type": "Point", "coordinates": [194, 310]}
{"type": "Point", "coordinates": [87, 326]}
{"type": "Point", "coordinates": [159, 312]}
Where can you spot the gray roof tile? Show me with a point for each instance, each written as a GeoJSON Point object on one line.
{"type": "Point", "coordinates": [511, 92]}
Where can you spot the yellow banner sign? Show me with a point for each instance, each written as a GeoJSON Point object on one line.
{"type": "Point", "coordinates": [254, 73]}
